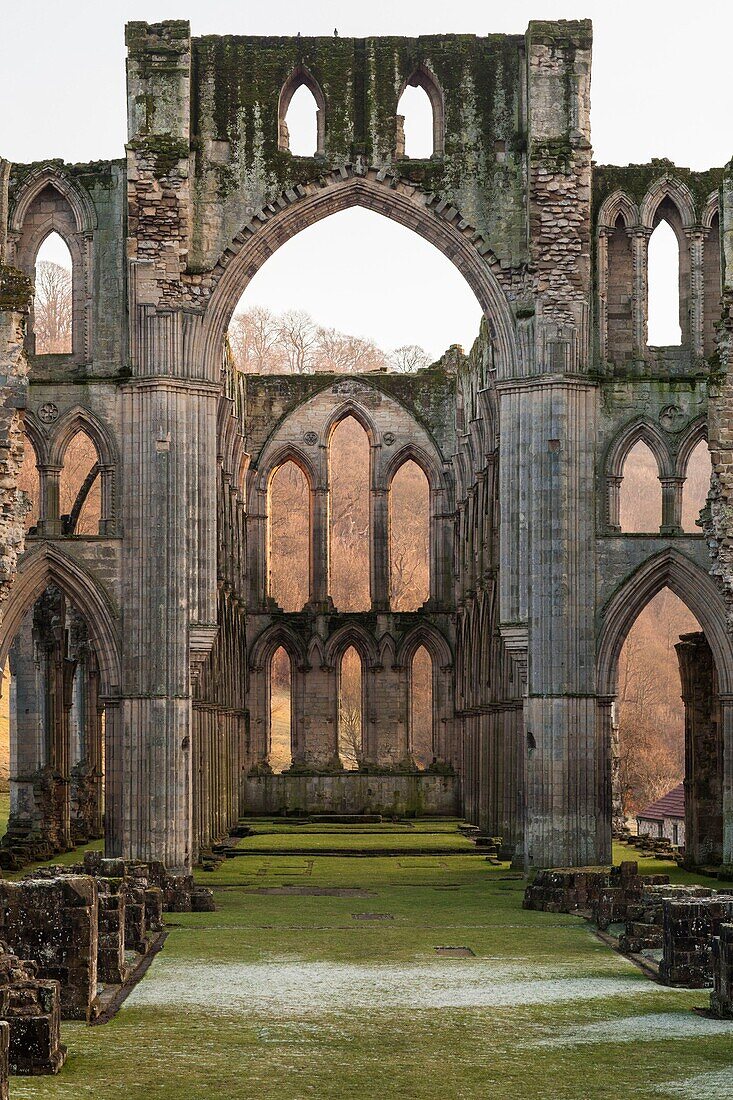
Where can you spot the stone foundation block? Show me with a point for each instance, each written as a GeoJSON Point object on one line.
{"type": "Point", "coordinates": [31, 1018]}
{"type": "Point", "coordinates": [202, 900]}
{"type": "Point", "coordinates": [54, 923]}
{"type": "Point", "coordinates": [135, 937]}
{"type": "Point", "coordinates": [154, 909]}
{"type": "Point", "coordinates": [689, 929]}
{"type": "Point", "coordinates": [721, 998]}
{"type": "Point", "coordinates": [111, 948]}
{"type": "Point", "coordinates": [645, 916]}
{"type": "Point", "coordinates": [603, 891]}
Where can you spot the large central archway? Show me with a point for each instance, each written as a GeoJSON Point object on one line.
{"type": "Point", "coordinates": [394, 198]}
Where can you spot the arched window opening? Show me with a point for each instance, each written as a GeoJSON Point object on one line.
{"type": "Point", "coordinates": [651, 714]}
{"type": "Point", "coordinates": [409, 502]}
{"type": "Point", "coordinates": [281, 708]}
{"type": "Point", "coordinates": [300, 124]}
{"type": "Point", "coordinates": [289, 537]}
{"type": "Point", "coordinates": [53, 301]}
{"type": "Point", "coordinates": [29, 482]}
{"type": "Point", "coordinates": [421, 708]}
{"type": "Point", "coordinates": [287, 324]}
{"type": "Point", "coordinates": [55, 716]}
{"type": "Point", "coordinates": [641, 492]}
{"type": "Point", "coordinates": [415, 124]}
{"type": "Point", "coordinates": [696, 487]}
{"type": "Point", "coordinates": [664, 287]}
{"type": "Point", "coordinates": [711, 284]}
{"type": "Point", "coordinates": [620, 285]}
{"type": "Point", "coordinates": [80, 488]}
{"type": "Point", "coordinates": [349, 473]}
{"type": "Point", "coordinates": [351, 710]}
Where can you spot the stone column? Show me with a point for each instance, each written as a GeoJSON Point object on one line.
{"type": "Point", "coordinates": [49, 525]}
{"type": "Point", "coordinates": [28, 742]}
{"type": "Point", "coordinates": [704, 777]}
{"type": "Point", "coordinates": [671, 505]}
{"type": "Point", "coordinates": [726, 723]}
{"type": "Point", "coordinates": [695, 238]}
{"type": "Point", "coordinates": [613, 502]}
{"type": "Point", "coordinates": [551, 447]}
{"type": "Point", "coordinates": [604, 232]}
{"type": "Point", "coordinates": [319, 561]}
{"type": "Point", "coordinates": [380, 549]}
{"type": "Point", "coordinates": [15, 303]}
{"type": "Point", "coordinates": [608, 765]}
{"type": "Point", "coordinates": [639, 303]}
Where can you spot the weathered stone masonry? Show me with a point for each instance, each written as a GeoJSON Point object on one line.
{"type": "Point", "coordinates": [523, 441]}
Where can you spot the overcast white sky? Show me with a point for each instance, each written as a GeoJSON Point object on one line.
{"type": "Point", "coordinates": [661, 87]}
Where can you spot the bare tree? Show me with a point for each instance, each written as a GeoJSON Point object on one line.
{"type": "Point", "coordinates": [263, 342]}
{"type": "Point", "coordinates": [345, 354]}
{"type": "Point", "coordinates": [52, 309]}
{"type": "Point", "coordinates": [256, 342]}
{"type": "Point", "coordinates": [299, 340]}
{"type": "Point", "coordinates": [408, 359]}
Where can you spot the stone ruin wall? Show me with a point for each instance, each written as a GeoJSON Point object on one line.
{"type": "Point", "coordinates": [719, 521]}
{"type": "Point", "coordinates": [15, 294]}
{"type": "Point", "coordinates": [210, 194]}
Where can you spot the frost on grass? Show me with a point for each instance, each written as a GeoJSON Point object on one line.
{"type": "Point", "coordinates": [638, 1029]}
{"type": "Point", "coordinates": [717, 1085]}
{"type": "Point", "coordinates": [294, 987]}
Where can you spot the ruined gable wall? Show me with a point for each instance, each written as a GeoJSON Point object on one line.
{"type": "Point", "coordinates": [238, 167]}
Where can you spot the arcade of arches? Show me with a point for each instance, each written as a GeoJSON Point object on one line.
{"type": "Point", "coordinates": [215, 600]}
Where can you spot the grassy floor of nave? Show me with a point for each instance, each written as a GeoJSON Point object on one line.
{"type": "Point", "coordinates": [318, 976]}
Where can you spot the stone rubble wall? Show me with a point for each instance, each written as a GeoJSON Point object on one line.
{"type": "Point", "coordinates": [15, 296]}
{"type": "Point", "coordinates": [604, 891]}
{"type": "Point", "coordinates": [644, 917]}
{"type": "Point", "coordinates": [718, 527]}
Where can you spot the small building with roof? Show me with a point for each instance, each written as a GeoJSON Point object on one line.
{"type": "Point", "coordinates": [665, 817]}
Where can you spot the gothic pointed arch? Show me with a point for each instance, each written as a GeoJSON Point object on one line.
{"type": "Point", "coordinates": [47, 564]}
{"type": "Point", "coordinates": [352, 634]}
{"type": "Point", "coordinates": [273, 638]}
{"type": "Point", "coordinates": [638, 431]}
{"type": "Point", "coordinates": [678, 193]}
{"type": "Point", "coordinates": [696, 432]}
{"type": "Point", "coordinates": [76, 196]}
{"type": "Point", "coordinates": [351, 407]}
{"type": "Point", "coordinates": [430, 638]}
{"type": "Point", "coordinates": [429, 464]}
{"type": "Point", "coordinates": [80, 419]}
{"type": "Point", "coordinates": [424, 77]}
{"type": "Point", "coordinates": [668, 569]}
{"type": "Point", "coordinates": [301, 76]}
{"type": "Point", "coordinates": [618, 205]}
{"type": "Point", "coordinates": [271, 461]}
{"type": "Point", "coordinates": [374, 189]}
{"type": "Point", "coordinates": [37, 436]}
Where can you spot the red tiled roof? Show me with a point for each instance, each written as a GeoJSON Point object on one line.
{"type": "Point", "coordinates": [671, 804]}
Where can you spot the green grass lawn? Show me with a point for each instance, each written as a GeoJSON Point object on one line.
{"type": "Point", "coordinates": [288, 996]}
